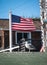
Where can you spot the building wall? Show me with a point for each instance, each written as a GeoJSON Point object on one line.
{"type": "Point", "coordinates": [4, 39]}
{"type": "Point", "coordinates": [4, 33]}
{"type": "Point", "coordinates": [36, 39]}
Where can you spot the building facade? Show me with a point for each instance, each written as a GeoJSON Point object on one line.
{"type": "Point", "coordinates": [35, 35]}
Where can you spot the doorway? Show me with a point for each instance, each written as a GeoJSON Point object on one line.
{"type": "Point", "coordinates": [36, 39]}
{"type": "Point", "coordinates": [6, 39]}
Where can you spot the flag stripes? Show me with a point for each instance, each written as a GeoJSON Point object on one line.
{"type": "Point", "coordinates": [25, 24]}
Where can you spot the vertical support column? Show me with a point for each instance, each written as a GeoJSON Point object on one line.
{"type": "Point", "coordinates": [29, 37]}
{"type": "Point", "coordinates": [15, 37]}
{"type": "Point", "coordinates": [2, 39]}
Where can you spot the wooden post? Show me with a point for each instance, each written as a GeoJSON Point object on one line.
{"type": "Point", "coordinates": [2, 39]}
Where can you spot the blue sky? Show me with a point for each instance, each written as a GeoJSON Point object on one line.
{"type": "Point", "coordinates": [27, 8]}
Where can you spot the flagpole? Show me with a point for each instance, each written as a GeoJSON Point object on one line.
{"type": "Point", "coordinates": [10, 32]}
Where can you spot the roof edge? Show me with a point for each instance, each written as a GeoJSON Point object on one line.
{"type": "Point", "coordinates": [3, 19]}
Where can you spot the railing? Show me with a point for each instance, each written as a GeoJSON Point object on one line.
{"type": "Point", "coordinates": [4, 50]}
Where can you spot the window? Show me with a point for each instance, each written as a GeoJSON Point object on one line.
{"type": "Point", "coordinates": [20, 36]}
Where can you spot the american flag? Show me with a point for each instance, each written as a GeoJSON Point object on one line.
{"type": "Point", "coordinates": [22, 24]}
